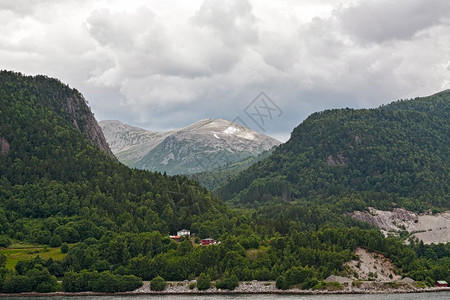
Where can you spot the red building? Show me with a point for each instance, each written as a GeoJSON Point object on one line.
{"type": "Point", "coordinates": [206, 242]}
{"type": "Point", "coordinates": [441, 283]}
{"type": "Point", "coordinates": [176, 238]}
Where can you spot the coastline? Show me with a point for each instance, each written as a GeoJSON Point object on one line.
{"type": "Point", "coordinates": [244, 288]}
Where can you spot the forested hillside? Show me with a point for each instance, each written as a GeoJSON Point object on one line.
{"type": "Point", "coordinates": [216, 178]}
{"type": "Point", "coordinates": [396, 155]}
{"type": "Point", "coordinates": [54, 181]}
{"type": "Point", "coordinates": [112, 223]}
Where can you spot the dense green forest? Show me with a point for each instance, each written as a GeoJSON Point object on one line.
{"type": "Point", "coordinates": [396, 155]}
{"type": "Point", "coordinates": [215, 179]}
{"type": "Point", "coordinates": [53, 181]}
{"type": "Point", "coordinates": [57, 187]}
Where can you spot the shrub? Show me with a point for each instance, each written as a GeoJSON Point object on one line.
{"type": "Point", "coordinates": [99, 282]}
{"type": "Point", "coordinates": [310, 283]}
{"type": "Point", "coordinates": [203, 282]}
{"type": "Point", "coordinates": [40, 279]}
{"type": "Point", "coordinates": [72, 282]}
{"type": "Point", "coordinates": [2, 260]}
{"type": "Point", "coordinates": [46, 287]}
{"type": "Point", "coordinates": [298, 275]}
{"type": "Point", "coordinates": [357, 283]}
{"type": "Point", "coordinates": [106, 282]}
{"type": "Point", "coordinates": [4, 242]}
{"type": "Point", "coordinates": [429, 281]}
{"type": "Point", "coordinates": [64, 247]}
{"type": "Point", "coordinates": [158, 284]}
{"type": "Point", "coordinates": [281, 283]}
{"type": "Point", "coordinates": [55, 241]}
{"type": "Point", "coordinates": [330, 286]}
{"type": "Point", "coordinates": [128, 282]}
{"type": "Point", "coordinates": [228, 282]}
{"type": "Point", "coordinates": [16, 284]}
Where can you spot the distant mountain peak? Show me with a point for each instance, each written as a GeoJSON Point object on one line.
{"type": "Point", "coordinates": [201, 146]}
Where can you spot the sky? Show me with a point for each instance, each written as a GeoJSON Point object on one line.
{"type": "Point", "coordinates": [162, 65]}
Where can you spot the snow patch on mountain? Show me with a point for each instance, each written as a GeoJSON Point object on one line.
{"type": "Point", "coordinates": [231, 130]}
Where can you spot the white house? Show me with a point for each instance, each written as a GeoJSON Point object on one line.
{"type": "Point", "coordinates": [183, 232]}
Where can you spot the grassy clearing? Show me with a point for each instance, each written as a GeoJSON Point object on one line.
{"type": "Point", "coordinates": [13, 255]}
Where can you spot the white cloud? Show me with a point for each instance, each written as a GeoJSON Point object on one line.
{"type": "Point", "coordinates": [166, 64]}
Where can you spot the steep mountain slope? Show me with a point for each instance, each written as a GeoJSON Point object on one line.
{"type": "Point", "coordinates": [54, 181]}
{"type": "Point", "coordinates": [128, 143]}
{"type": "Point", "coordinates": [69, 104]}
{"type": "Point", "coordinates": [217, 177]}
{"type": "Point", "coordinates": [203, 146]}
{"type": "Point", "coordinates": [397, 155]}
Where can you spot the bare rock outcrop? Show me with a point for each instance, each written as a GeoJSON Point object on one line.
{"type": "Point", "coordinates": [83, 119]}
{"type": "Point", "coordinates": [426, 227]}
{"type": "Point", "coordinates": [372, 266]}
{"type": "Point", "coordinates": [337, 160]}
{"type": "Point", "coordinates": [4, 146]}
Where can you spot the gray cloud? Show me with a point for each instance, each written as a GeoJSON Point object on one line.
{"type": "Point", "coordinates": [164, 65]}
{"type": "Point", "coordinates": [232, 21]}
{"type": "Point", "coordinates": [381, 20]}
{"type": "Point", "coordinates": [23, 7]}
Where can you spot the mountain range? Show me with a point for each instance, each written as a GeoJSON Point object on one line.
{"type": "Point", "coordinates": [203, 146]}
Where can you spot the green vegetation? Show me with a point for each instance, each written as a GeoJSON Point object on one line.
{"type": "Point", "coordinates": [229, 282]}
{"type": "Point", "coordinates": [281, 283]}
{"type": "Point", "coordinates": [99, 282]}
{"type": "Point", "coordinates": [55, 241]}
{"type": "Point", "coordinates": [57, 188]}
{"type": "Point", "coordinates": [64, 248]}
{"type": "Point", "coordinates": [203, 282]}
{"type": "Point", "coordinates": [330, 286]}
{"type": "Point", "coordinates": [35, 280]}
{"type": "Point", "coordinates": [218, 177]}
{"type": "Point", "coordinates": [28, 276]}
{"type": "Point", "coordinates": [14, 255]}
{"type": "Point", "coordinates": [4, 242]}
{"type": "Point", "coordinates": [158, 284]}
{"type": "Point", "coordinates": [396, 155]}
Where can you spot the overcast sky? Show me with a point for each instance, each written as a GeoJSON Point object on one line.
{"type": "Point", "coordinates": [165, 64]}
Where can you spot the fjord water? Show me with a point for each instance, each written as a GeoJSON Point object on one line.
{"type": "Point", "coordinates": [416, 296]}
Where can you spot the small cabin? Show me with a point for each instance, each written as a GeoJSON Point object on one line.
{"type": "Point", "coordinates": [441, 283]}
{"type": "Point", "coordinates": [183, 232]}
{"type": "Point", "coordinates": [206, 242]}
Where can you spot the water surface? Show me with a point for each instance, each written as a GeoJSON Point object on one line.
{"type": "Point", "coordinates": [415, 296]}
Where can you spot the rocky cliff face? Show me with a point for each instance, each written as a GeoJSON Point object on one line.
{"type": "Point", "coordinates": [205, 145]}
{"type": "Point", "coordinates": [83, 119]}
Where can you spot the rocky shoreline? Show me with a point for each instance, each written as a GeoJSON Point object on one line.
{"type": "Point", "coordinates": [253, 287]}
